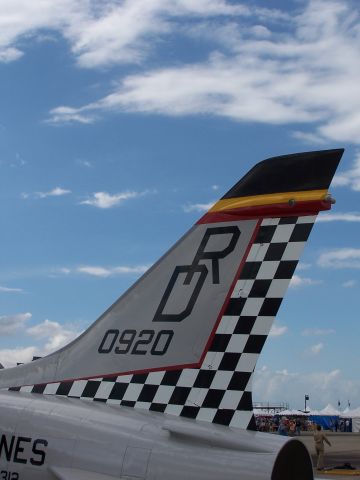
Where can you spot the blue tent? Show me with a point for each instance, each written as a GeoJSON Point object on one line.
{"type": "Point", "coordinates": [328, 422]}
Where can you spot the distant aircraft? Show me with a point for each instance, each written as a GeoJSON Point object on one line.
{"type": "Point", "coordinates": [159, 387]}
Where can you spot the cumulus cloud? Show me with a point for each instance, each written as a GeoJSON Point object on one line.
{"type": "Point", "coordinates": [340, 258]}
{"type": "Point", "coordinates": [8, 55]}
{"type": "Point", "coordinates": [297, 281]}
{"type": "Point", "coordinates": [11, 356]}
{"type": "Point", "coordinates": [104, 272]}
{"type": "Point", "coordinates": [56, 335]}
{"type": "Point", "coordinates": [106, 200]}
{"type": "Point", "coordinates": [322, 386]}
{"type": "Point", "coordinates": [10, 324]}
{"type": "Point", "coordinates": [278, 330]}
{"type": "Point", "coordinates": [48, 335]}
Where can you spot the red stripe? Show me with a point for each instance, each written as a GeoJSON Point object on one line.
{"type": "Point", "coordinates": [266, 211]}
{"type": "Point", "coordinates": [222, 311]}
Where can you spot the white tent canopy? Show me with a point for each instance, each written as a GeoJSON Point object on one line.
{"type": "Point", "coordinates": [292, 413]}
{"type": "Point", "coordinates": [262, 413]}
{"type": "Point", "coordinates": [354, 414]}
{"type": "Point", "coordinates": [329, 410]}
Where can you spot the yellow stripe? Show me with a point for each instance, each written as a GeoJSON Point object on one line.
{"type": "Point", "coordinates": [258, 200]}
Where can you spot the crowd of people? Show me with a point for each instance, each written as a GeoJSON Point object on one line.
{"type": "Point", "coordinates": [295, 425]}
{"type": "Point", "coordinates": [283, 425]}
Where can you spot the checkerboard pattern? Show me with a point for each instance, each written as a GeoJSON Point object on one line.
{"type": "Point", "coordinates": [220, 390]}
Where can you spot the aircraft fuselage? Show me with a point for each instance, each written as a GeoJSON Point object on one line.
{"type": "Point", "coordinates": [40, 436]}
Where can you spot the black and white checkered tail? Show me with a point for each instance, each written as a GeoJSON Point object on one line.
{"type": "Point", "coordinates": [220, 390]}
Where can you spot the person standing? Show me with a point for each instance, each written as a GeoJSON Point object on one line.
{"type": "Point", "coordinates": [319, 439]}
{"type": "Point", "coordinates": [347, 425]}
{"type": "Point", "coordinates": [283, 427]}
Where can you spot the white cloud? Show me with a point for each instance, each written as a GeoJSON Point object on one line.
{"type": "Point", "coordinates": [350, 178]}
{"type": "Point", "coordinates": [92, 270]}
{"type": "Point", "coordinates": [19, 18]}
{"type": "Point", "coordinates": [64, 270]}
{"type": "Point", "coordinates": [95, 271]}
{"type": "Point", "coordinates": [57, 335]}
{"type": "Point", "coordinates": [8, 55]}
{"type": "Point", "coordinates": [322, 386]}
{"type": "Point", "coordinates": [84, 163]}
{"type": "Point", "coordinates": [104, 33]}
{"type": "Point", "coordinates": [316, 349]}
{"type": "Point", "coordinates": [106, 200]}
{"type": "Point", "coordinates": [69, 115]}
{"type": "Point", "coordinates": [18, 161]}
{"type": "Point", "coordinates": [303, 266]}
{"type": "Point", "coordinates": [298, 281]}
{"type": "Point", "coordinates": [311, 332]}
{"type": "Point", "coordinates": [45, 329]}
{"type": "Point", "coordinates": [260, 31]}
{"type": "Point", "coordinates": [198, 207]}
{"type": "Point", "coordinates": [349, 284]}
{"type": "Point", "coordinates": [105, 272]}
{"type": "Point", "coordinates": [306, 73]}
{"type": "Point", "coordinates": [51, 336]}
{"type": "Point", "coordinates": [309, 137]}
{"type": "Point", "coordinates": [305, 70]}
{"type": "Point", "coordinates": [55, 192]}
{"type": "Point", "coordinates": [340, 258]}
{"type": "Point", "coordinates": [278, 330]}
{"type": "Point", "coordinates": [10, 324]}
{"type": "Point", "coordinates": [339, 217]}
{"type": "Point", "coordinates": [130, 270]}
{"type": "Point", "coordinates": [11, 356]}
{"type": "Point", "coordinates": [11, 290]}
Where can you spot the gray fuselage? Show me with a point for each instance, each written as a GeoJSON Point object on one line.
{"type": "Point", "coordinates": [41, 435]}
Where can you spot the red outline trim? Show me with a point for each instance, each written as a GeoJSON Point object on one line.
{"type": "Point", "coordinates": [208, 343]}
{"type": "Point", "coordinates": [300, 209]}
{"type": "Point", "coordinates": [231, 289]}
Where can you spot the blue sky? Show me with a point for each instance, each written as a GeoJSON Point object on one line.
{"type": "Point", "coordinates": [121, 120]}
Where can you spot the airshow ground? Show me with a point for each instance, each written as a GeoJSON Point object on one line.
{"type": "Point", "coordinates": [345, 449]}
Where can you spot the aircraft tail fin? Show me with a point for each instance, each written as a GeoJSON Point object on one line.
{"type": "Point", "coordinates": [185, 338]}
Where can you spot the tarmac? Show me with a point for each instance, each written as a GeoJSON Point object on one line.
{"type": "Point", "coordinates": [345, 448]}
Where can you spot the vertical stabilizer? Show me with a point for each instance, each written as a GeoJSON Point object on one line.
{"type": "Point", "coordinates": [185, 338]}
